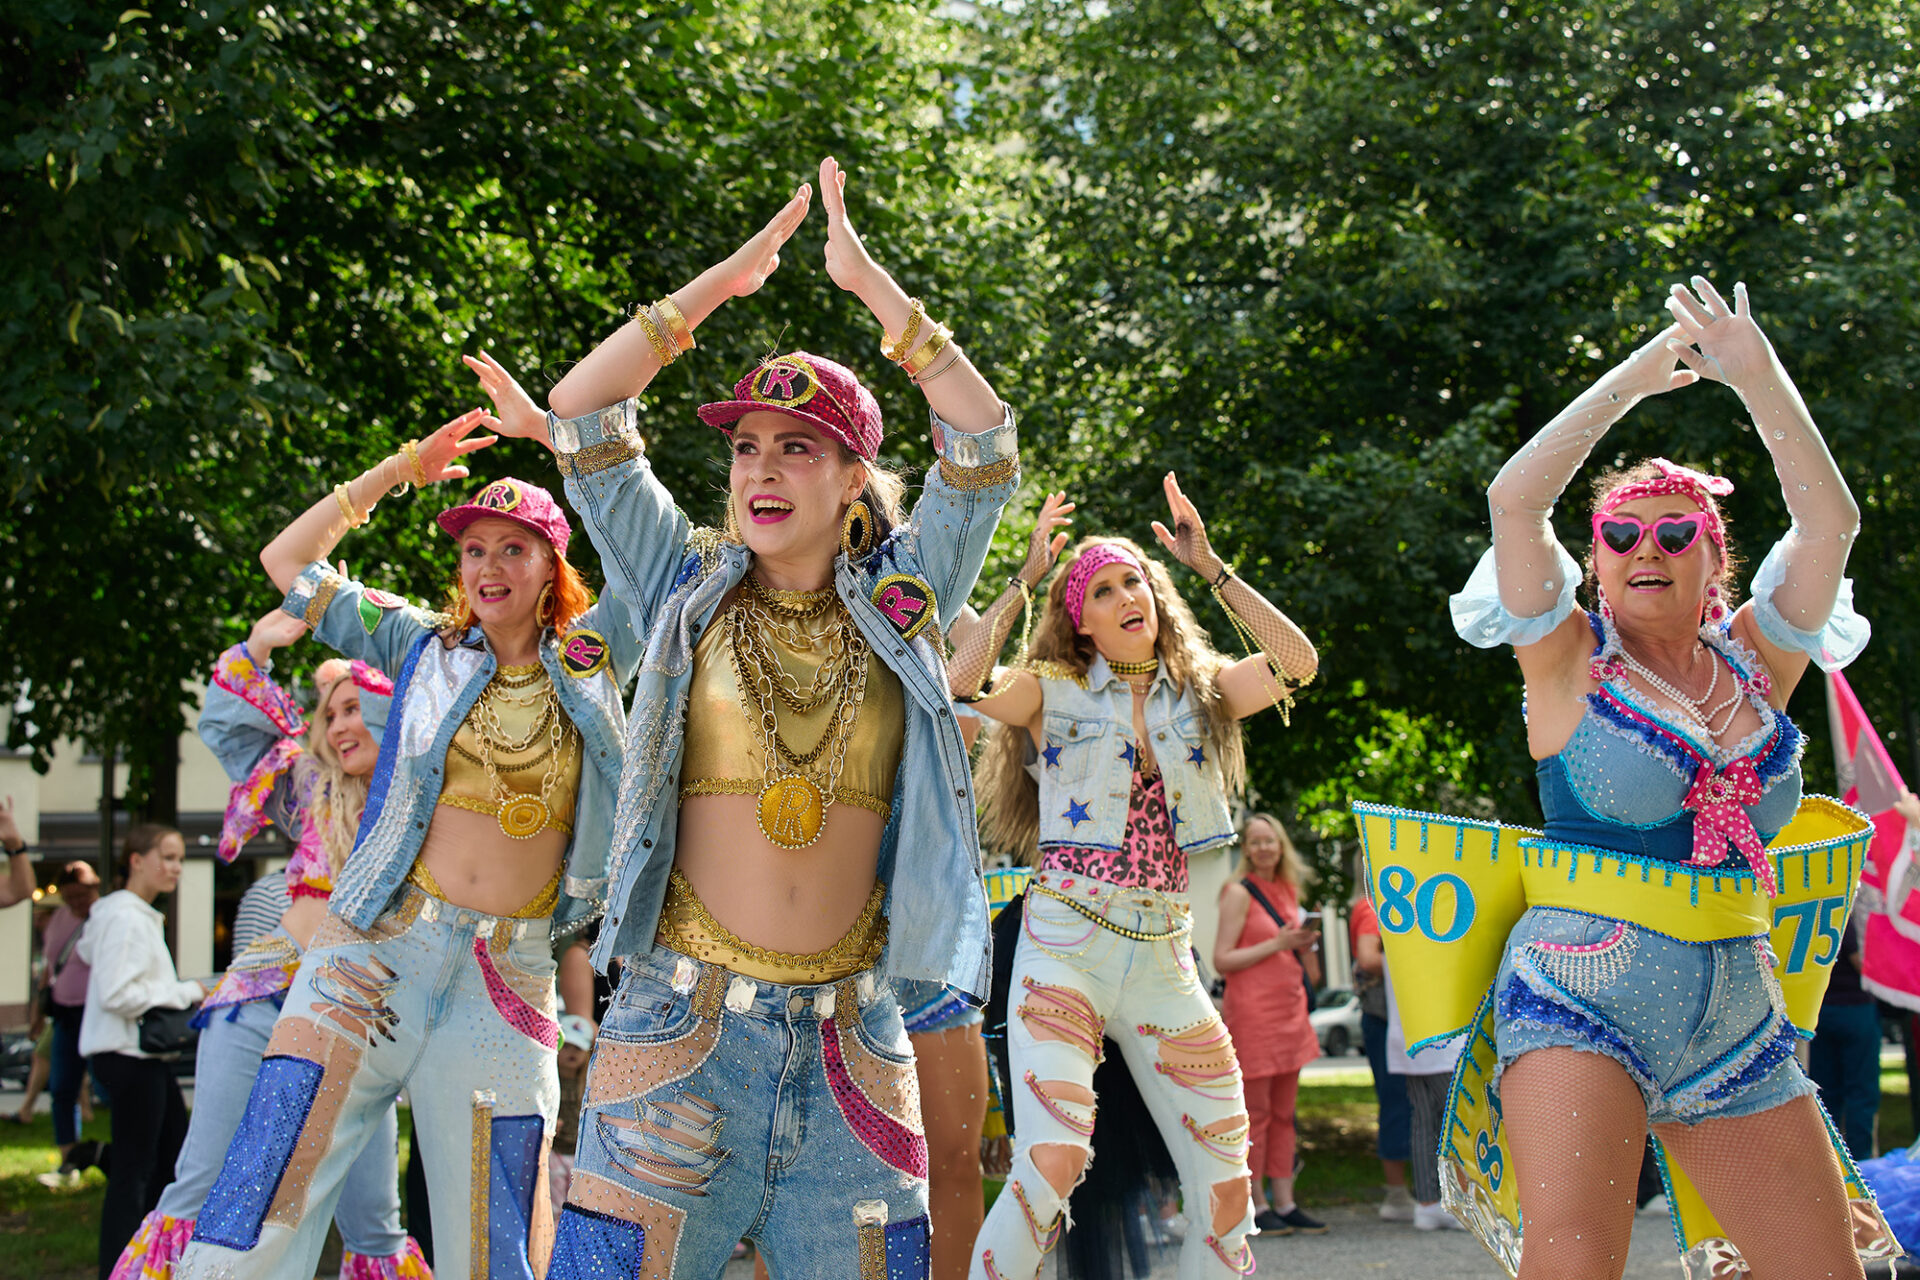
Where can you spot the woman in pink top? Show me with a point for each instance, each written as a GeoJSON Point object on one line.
{"type": "Point", "coordinates": [1263, 946]}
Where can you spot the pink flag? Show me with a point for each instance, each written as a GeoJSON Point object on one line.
{"type": "Point", "coordinates": [1890, 956]}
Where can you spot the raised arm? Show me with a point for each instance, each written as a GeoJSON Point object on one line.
{"type": "Point", "coordinates": [621, 366]}
{"type": "Point", "coordinates": [1286, 660]}
{"type": "Point", "coordinates": [1523, 590]}
{"type": "Point", "coordinates": [317, 531]}
{"type": "Point", "coordinates": [246, 711]}
{"type": "Point", "coordinates": [1801, 587]}
{"type": "Point", "coordinates": [1015, 695]}
{"type": "Point", "coordinates": [956, 392]}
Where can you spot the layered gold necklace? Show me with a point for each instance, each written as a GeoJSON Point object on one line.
{"type": "Point", "coordinates": [521, 689]}
{"type": "Point", "coordinates": [798, 786]}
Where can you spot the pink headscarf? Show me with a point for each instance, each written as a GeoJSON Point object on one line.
{"type": "Point", "coordinates": [1091, 561]}
{"type": "Point", "coordinates": [1684, 481]}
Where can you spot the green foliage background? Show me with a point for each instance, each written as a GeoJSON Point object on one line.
{"type": "Point", "coordinates": [1329, 261]}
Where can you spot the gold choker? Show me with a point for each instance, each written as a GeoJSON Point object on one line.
{"type": "Point", "coordinates": [1146, 668]}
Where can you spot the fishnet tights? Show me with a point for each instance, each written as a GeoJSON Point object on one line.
{"type": "Point", "coordinates": [1575, 1127]}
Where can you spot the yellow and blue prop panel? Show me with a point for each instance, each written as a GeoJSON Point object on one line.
{"type": "Point", "coordinates": [1817, 861]}
{"type": "Point", "coordinates": [1447, 892]}
{"type": "Point", "coordinates": [1004, 884]}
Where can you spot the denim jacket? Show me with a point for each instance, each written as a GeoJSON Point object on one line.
{"type": "Point", "coordinates": [247, 714]}
{"type": "Point", "coordinates": [1087, 757]}
{"type": "Point", "coordinates": [672, 578]}
{"type": "Point", "coordinates": [433, 689]}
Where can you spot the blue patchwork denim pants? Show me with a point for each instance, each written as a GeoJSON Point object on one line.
{"type": "Point", "coordinates": [231, 1049]}
{"type": "Point", "coordinates": [719, 1109]}
{"type": "Point", "coordinates": [453, 1005]}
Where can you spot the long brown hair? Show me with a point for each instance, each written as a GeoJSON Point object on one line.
{"type": "Point", "coordinates": [1011, 821]}
{"type": "Point", "coordinates": [335, 798]}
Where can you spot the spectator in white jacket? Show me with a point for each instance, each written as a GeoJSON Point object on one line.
{"type": "Point", "coordinates": [126, 944]}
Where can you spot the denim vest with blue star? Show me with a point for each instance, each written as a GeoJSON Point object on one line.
{"type": "Point", "coordinates": [1087, 754]}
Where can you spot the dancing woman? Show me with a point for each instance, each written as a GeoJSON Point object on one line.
{"type": "Point", "coordinates": [796, 820]}
{"type": "Point", "coordinates": [1659, 726]}
{"type": "Point", "coordinates": [1133, 723]}
{"type": "Point", "coordinates": [485, 826]}
{"type": "Point", "coordinates": [311, 782]}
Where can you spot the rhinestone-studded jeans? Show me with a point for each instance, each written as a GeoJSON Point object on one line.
{"type": "Point", "coordinates": [1076, 984]}
{"type": "Point", "coordinates": [1699, 1026]}
{"type": "Point", "coordinates": [456, 1007]}
{"type": "Point", "coordinates": [719, 1109]}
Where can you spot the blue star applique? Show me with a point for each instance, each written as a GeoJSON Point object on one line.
{"type": "Point", "coordinates": [1174, 813]}
{"type": "Point", "coordinates": [1076, 812]}
{"type": "Point", "coordinates": [1051, 754]}
{"type": "Point", "coordinates": [1127, 753]}
{"type": "Point", "coordinates": [1196, 755]}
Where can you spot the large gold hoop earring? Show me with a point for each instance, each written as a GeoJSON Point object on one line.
{"type": "Point", "coordinates": [545, 610]}
{"type": "Point", "coordinates": [856, 531]}
{"type": "Point", "coordinates": [732, 530]}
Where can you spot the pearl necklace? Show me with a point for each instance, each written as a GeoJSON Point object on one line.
{"type": "Point", "coordinates": [1687, 703]}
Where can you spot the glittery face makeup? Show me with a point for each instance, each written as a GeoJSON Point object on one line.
{"type": "Point", "coordinates": [789, 486]}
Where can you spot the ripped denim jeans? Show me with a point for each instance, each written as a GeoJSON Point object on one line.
{"type": "Point", "coordinates": [1700, 1027]}
{"type": "Point", "coordinates": [455, 1006]}
{"type": "Point", "coordinates": [1076, 984]}
{"type": "Point", "coordinates": [721, 1109]}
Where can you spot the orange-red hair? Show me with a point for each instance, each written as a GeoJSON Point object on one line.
{"type": "Point", "coordinates": [571, 597]}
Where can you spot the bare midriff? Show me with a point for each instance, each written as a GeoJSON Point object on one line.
{"type": "Point", "coordinates": [792, 900]}
{"type": "Point", "coordinates": [479, 867]}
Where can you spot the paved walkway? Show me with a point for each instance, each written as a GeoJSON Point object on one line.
{"type": "Point", "coordinates": [1359, 1245]}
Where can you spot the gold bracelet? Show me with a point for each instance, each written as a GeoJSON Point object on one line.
{"type": "Point", "coordinates": [643, 316]}
{"type": "Point", "coordinates": [924, 379]}
{"type": "Point", "coordinates": [917, 363]}
{"type": "Point", "coordinates": [354, 518]}
{"type": "Point", "coordinates": [677, 327]}
{"type": "Point", "coordinates": [897, 351]}
{"type": "Point", "coordinates": [410, 449]}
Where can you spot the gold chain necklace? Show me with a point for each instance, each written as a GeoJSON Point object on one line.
{"type": "Point", "coordinates": [795, 796]}
{"type": "Point", "coordinates": [521, 817]}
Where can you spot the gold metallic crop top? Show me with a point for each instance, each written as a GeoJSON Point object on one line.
{"type": "Point", "coordinates": [724, 751]}
{"type": "Point", "coordinates": [516, 757]}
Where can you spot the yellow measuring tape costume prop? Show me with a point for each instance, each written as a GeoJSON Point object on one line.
{"type": "Point", "coordinates": [1448, 892]}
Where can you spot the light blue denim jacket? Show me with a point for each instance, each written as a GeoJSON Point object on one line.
{"type": "Point", "coordinates": [239, 732]}
{"type": "Point", "coordinates": [433, 689]}
{"type": "Point", "coordinates": [672, 578]}
{"type": "Point", "coordinates": [1087, 756]}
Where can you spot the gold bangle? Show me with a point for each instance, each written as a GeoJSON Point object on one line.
{"type": "Point", "coordinates": [410, 449]}
{"type": "Point", "coordinates": [354, 518]}
{"type": "Point", "coordinates": [917, 363]}
{"type": "Point", "coordinates": [677, 327]}
{"type": "Point", "coordinates": [643, 316]}
{"type": "Point", "coordinates": [926, 378]}
{"type": "Point", "coordinates": [897, 351]}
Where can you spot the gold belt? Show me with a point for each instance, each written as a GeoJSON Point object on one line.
{"type": "Point", "coordinates": [1105, 923]}
{"type": "Point", "coordinates": [686, 926]}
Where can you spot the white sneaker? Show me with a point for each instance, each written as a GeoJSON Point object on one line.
{"type": "Point", "coordinates": [1398, 1206]}
{"type": "Point", "coordinates": [1431, 1217]}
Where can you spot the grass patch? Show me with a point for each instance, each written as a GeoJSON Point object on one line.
{"type": "Point", "coordinates": [53, 1234]}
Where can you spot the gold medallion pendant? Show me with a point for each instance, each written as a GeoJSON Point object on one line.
{"type": "Point", "coordinates": [792, 811]}
{"type": "Point", "coordinates": [523, 817]}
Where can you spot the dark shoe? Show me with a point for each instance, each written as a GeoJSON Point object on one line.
{"type": "Point", "coordinates": [82, 1155]}
{"type": "Point", "coordinates": [1271, 1223]}
{"type": "Point", "coordinates": [1295, 1220]}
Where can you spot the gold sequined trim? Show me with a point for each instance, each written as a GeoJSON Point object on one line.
{"type": "Point", "coordinates": [539, 909]}
{"type": "Point", "coordinates": [686, 926]}
{"type": "Point", "coordinates": [492, 808]}
{"type": "Point", "coordinates": [873, 1251]}
{"type": "Point", "coordinates": [598, 457]}
{"type": "Point", "coordinates": [753, 787]}
{"type": "Point", "coordinates": [1049, 670]}
{"type": "Point", "coordinates": [322, 597]}
{"type": "Point", "coordinates": [706, 544]}
{"type": "Point", "coordinates": [482, 1173]}
{"type": "Point", "coordinates": [968, 479]}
